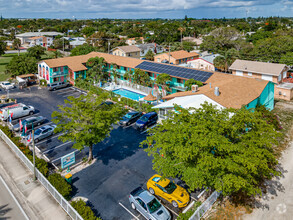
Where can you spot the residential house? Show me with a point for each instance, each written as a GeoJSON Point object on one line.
{"type": "Point", "coordinates": [76, 41]}
{"type": "Point", "coordinates": [176, 57]}
{"type": "Point", "coordinates": [198, 41]}
{"type": "Point", "coordinates": [41, 40]}
{"type": "Point", "coordinates": [274, 72]}
{"type": "Point", "coordinates": [203, 63]}
{"type": "Point", "coordinates": [223, 91]}
{"type": "Point", "coordinates": [133, 41]}
{"type": "Point", "coordinates": [155, 48]}
{"type": "Point", "coordinates": [25, 37]}
{"type": "Point", "coordinates": [70, 68]}
{"type": "Point", "coordinates": [127, 51]}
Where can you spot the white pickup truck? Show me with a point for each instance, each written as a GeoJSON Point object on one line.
{"type": "Point", "coordinates": [16, 111]}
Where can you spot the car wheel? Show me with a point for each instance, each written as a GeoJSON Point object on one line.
{"type": "Point", "coordinates": [152, 191]}
{"type": "Point", "coordinates": [133, 206]}
{"type": "Point", "coordinates": [174, 204]}
{"type": "Point", "coordinates": [37, 140]}
{"type": "Point", "coordinates": [31, 113]}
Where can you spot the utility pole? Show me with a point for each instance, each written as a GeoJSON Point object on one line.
{"type": "Point", "coordinates": [34, 152]}
{"type": "Point", "coordinates": [169, 52]}
{"type": "Point", "coordinates": [63, 43]}
{"type": "Point", "coordinates": [108, 46]}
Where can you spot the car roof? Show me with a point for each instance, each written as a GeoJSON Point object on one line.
{"type": "Point", "coordinates": [150, 113]}
{"type": "Point", "coordinates": [146, 196]}
{"type": "Point", "coordinates": [45, 127]}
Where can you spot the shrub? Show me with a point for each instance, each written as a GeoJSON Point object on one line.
{"type": "Point", "coordinates": [84, 210]}
{"type": "Point", "coordinates": [61, 185]}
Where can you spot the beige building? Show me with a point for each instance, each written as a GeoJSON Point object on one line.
{"type": "Point", "coordinates": [274, 72]}
{"type": "Point", "coordinates": [127, 51]}
{"type": "Point", "coordinates": [201, 64]}
{"type": "Point", "coordinates": [176, 57]}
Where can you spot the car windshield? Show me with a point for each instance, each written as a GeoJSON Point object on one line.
{"type": "Point", "coordinates": [7, 83]}
{"type": "Point", "coordinates": [37, 132]}
{"type": "Point", "coordinates": [144, 118]}
{"type": "Point", "coordinates": [154, 205]}
{"type": "Point", "coordinates": [128, 115]}
{"type": "Point", "coordinates": [170, 187]}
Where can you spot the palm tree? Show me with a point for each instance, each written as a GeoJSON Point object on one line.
{"type": "Point", "coordinates": [162, 80]}
{"type": "Point", "coordinates": [16, 44]}
{"type": "Point", "coordinates": [97, 69]}
{"type": "Point", "coordinates": [128, 75]}
{"type": "Point", "coordinates": [181, 29]}
{"type": "Point", "coordinates": [114, 72]}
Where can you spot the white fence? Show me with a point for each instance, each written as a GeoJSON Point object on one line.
{"type": "Point", "coordinates": [57, 196]}
{"type": "Point", "coordinates": [201, 210]}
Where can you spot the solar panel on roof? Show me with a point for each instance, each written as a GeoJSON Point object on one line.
{"type": "Point", "coordinates": [175, 71]}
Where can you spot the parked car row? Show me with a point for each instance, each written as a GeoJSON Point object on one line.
{"type": "Point", "coordinates": [142, 121]}
{"type": "Point", "coordinates": [148, 205]}
{"type": "Point", "coordinates": [16, 110]}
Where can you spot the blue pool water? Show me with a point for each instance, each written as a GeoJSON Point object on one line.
{"type": "Point", "coordinates": [128, 94]}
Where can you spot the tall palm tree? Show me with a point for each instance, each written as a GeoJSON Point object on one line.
{"type": "Point", "coordinates": [181, 29]}
{"type": "Point", "coordinates": [16, 44]}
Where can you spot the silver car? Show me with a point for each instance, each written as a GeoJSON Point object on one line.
{"type": "Point", "coordinates": [145, 203]}
{"type": "Point", "coordinates": [42, 132]}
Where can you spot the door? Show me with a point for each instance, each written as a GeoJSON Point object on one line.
{"type": "Point", "coordinates": [142, 208]}
{"type": "Point", "coordinates": [163, 193]}
{"type": "Point", "coordinates": [25, 111]}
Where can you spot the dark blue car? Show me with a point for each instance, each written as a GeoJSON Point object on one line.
{"type": "Point", "coordinates": [147, 120]}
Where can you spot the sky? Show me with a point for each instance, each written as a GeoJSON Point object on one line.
{"type": "Point", "coordinates": [84, 9]}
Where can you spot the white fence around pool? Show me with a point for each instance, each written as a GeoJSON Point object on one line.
{"type": "Point", "coordinates": [43, 180]}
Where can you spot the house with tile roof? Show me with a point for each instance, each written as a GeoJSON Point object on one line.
{"type": "Point", "coordinates": [127, 51]}
{"type": "Point", "coordinates": [176, 57]}
{"type": "Point", "coordinates": [223, 91]}
{"type": "Point", "coordinates": [274, 72]}
{"type": "Point", "coordinates": [25, 37]}
{"type": "Point", "coordinates": [70, 68]}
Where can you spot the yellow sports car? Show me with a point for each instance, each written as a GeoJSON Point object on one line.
{"type": "Point", "coordinates": [168, 190]}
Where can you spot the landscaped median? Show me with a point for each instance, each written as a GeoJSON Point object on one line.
{"type": "Point", "coordinates": [55, 179]}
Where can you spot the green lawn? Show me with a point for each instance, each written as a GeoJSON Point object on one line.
{"type": "Point", "coordinates": [4, 60]}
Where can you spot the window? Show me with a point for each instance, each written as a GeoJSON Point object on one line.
{"type": "Point", "coordinates": [267, 77]}
{"type": "Point", "coordinates": [141, 203]}
{"type": "Point", "coordinates": [158, 60]}
{"type": "Point", "coordinates": [25, 108]}
{"type": "Point", "coordinates": [179, 80]}
{"type": "Point", "coordinates": [55, 69]}
{"type": "Point", "coordinates": [284, 74]}
{"type": "Point", "coordinates": [279, 77]}
{"type": "Point", "coordinates": [239, 73]}
{"type": "Point", "coordinates": [249, 74]}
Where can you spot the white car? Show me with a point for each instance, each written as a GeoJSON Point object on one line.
{"type": "Point", "coordinates": [7, 85]}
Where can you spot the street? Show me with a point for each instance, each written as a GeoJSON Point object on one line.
{"type": "Point", "coordinates": [9, 206]}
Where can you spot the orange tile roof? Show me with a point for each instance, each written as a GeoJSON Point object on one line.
{"type": "Point", "coordinates": [75, 63]}
{"type": "Point", "coordinates": [181, 54]}
{"type": "Point", "coordinates": [235, 91]}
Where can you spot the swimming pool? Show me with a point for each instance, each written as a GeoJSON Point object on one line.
{"type": "Point", "coordinates": [128, 94]}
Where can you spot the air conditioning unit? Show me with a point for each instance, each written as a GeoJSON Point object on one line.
{"type": "Point", "coordinates": [194, 88]}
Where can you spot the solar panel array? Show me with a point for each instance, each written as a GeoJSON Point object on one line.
{"type": "Point", "coordinates": [175, 71]}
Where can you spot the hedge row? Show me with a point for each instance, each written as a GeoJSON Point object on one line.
{"type": "Point", "coordinates": [55, 179]}
{"type": "Point", "coordinates": [85, 211]}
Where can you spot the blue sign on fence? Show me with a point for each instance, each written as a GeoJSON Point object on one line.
{"type": "Point", "coordinates": [67, 160]}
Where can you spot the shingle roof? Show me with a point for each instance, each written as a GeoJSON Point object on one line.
{"type": "Point", "coordinates": [273, 69]}
{"type": "Point", "coordinates": [75, 63]}
{"type": "Point", "coordinates": [128, 49]}
{"type": "Point", "coordinates": [235, 91]}
{"type": "Point", "coordinates": [181, 54]}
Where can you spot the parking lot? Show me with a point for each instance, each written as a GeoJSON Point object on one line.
{"type": "Point", "coordinates": [121, 165]}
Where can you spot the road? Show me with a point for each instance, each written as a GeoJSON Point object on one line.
{"type": "Point", "coordinates": [9, 207]}
{"type": "Point", "coordinates": [277, 204]}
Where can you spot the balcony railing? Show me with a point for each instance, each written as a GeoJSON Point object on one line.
{"type": "Point", "coordinates": [59, 74]}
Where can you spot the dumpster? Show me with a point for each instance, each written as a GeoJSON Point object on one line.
{"type": "Point", "coordinates": [68, 178]}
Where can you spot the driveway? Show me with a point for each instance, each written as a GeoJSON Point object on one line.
{"type": "Point", "coordinates": [277, 204]}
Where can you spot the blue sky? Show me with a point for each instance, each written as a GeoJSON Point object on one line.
{"type": "Point", "coordinates": [82, 9]}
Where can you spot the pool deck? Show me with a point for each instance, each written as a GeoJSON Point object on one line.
{"type": "Point", "coordinates": [115, 87]}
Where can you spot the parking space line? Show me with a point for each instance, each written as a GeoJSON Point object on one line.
{"type": "Point", "coordinates": [201, 194]}
{"type": "Point", "coordinates": [40, 142]}
{"type": "Point", "coordinates": [53, 148]}
{"type": "Point", "coordinates": [128, 211]}
{"type": "Point", "coordinates": [193, 198]}
{"type": "Point", "coordinates": [188, 207]}
{"type": "Point", "coordinates": [62, 156]}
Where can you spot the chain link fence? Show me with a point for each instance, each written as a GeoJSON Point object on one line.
{"type": "Point", "coordinates": [205, 206]}
{"type": "Point", "coordinates": [43, 180]}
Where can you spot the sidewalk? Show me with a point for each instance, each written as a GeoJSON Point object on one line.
{"type": "Point", "coordinates": [32, 196]}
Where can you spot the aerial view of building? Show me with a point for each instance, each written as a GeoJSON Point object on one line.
{"type": "Point", "coordinates": [175, 57]}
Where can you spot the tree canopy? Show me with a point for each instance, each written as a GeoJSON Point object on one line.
{"type": "Point", "coordinates": [226, 150]}
{"type": "Point", "coordinates": [86, 120]}
{"type": "Point", "coordinates": [191, 82]}
{"type": "Point", "coordinates": [97, 69]}
{"type": "Point", "coordinates": [22, 64]}
{"type": "Point", "coordinates": [2, 47]}
{"type": "Point", "coordinates": [36, 51]}
{"type": "Point", "coordinates": [150, 55]}
{"type": "Point", "coordinates": [141, 77]}
{"type": "Point", "coordinates": [82, 50]}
